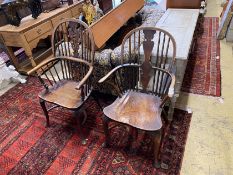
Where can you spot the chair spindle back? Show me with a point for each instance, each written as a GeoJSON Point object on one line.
{"type": "Point", "coordinates": [72, 37]}
{"type": "Point", "coordinates": [149, 54]}
{"type": "Point", "coordinates": [157, 42]}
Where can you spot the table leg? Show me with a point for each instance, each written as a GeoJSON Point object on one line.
{"type": "Point", "coordinates": [12, 57]}
{"type": "Point", "coordinates": [29, 54]}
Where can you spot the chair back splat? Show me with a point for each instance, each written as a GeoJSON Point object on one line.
{"type": "Point", "coordinates": [72, 38]}
{"type": "Point", "coordinates": [156, 44]}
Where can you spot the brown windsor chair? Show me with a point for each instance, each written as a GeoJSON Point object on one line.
{"type": "Point", "coordinates": [67, 77]}
{"type": "Point", "coordinates": [144, 84]}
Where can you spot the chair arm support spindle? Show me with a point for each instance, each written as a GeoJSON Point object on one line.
{"type": "Point", "coordinates": [172, 86]}
{"type": "Point", "coordinates": [85, 78]}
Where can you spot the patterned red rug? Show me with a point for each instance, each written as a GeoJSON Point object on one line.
{"type": "Point", "coordinates": [203, 75]}
{"type": "Point", "coordinates": [27, 147]}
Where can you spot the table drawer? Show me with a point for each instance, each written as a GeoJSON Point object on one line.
{"type": "Point", "coordinates": [38, 31]}
{"type": "Point", "coordinates": [76, 11]}
{"type": "Point", "coordinates": [60, 17]}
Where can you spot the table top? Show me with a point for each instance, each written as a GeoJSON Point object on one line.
{"type": "Point", "coordinates": [108, 24]}
{"type": "Point", "coordinates": [181, 24]}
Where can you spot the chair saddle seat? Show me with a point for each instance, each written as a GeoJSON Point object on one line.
{"type": "Point", "coordinates": [136, 109]}
{"type": "Point", "coordinates": [63, 93]}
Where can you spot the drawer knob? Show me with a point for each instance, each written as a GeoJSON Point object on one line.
{"type": "Point", "coordinates": [39, 31]}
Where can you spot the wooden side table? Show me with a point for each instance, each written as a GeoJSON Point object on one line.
{"type": "Point", "coordinates": [31, 31]}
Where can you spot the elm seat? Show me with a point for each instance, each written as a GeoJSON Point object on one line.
{"type": "Point", "coordinates": [57, 94]}
{"type": "Point", "coordinates": [136, 109]}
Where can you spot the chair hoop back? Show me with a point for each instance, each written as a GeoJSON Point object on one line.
{"type": "Point", "coordinates": [149, 44]}
{"type": "Point", "coordinates": [72, 37]}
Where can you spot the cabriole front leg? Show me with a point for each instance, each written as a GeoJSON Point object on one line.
{"type": "Point", "coordinates": [106, 121]}
{"type": "Point", "coordinates": [80, 121]}
{"type": "Point", "coordinates": [29, 54]}
{"type": "Point", "coordinates": [42, 103]}
{"type": "Point", "coordinates": [156, 136]}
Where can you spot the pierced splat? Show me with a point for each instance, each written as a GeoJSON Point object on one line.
{"type": "Point", "coordinates": [75, 34]}
{"type": "Point", "coordinates": [146, 66]}
{"type": "Point", "coordinates": [72, 38]}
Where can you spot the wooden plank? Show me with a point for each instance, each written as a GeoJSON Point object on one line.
{"type": "Point", "coordinates": [188, 4]}
{"type": "Point", "coordinates": [225, 21]}
{"type": "Point", "coordinates": [106, 26]}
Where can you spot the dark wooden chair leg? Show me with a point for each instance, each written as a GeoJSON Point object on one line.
{"type": "Point", "coordinates": [133, 135]}
{"type": "Point", "coordinates": [79, 122]}
{"type": "Point", "coordinates": [42, 103]}
{"type": "Point", "coordinates": [130, 140]}
{"type": "Point", "coordinates": [97, 101]}
{"type": "Point", "coordinates": [84, 116]}
{"type": "Point", "coordinates": [157, 142]}
{"type": "Point", "coordinates": [163, 130]}
{"type": "Point", "coordinates": [106, 131]}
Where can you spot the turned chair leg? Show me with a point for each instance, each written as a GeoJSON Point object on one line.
{"type": "Point", "coordinates": [133, 135]}
{"type": "Point", "coordinates": [42, 103]}
{"type": "Point", "coordinates": [130, 140]}
{"type": "Point", "coordinates": [157, 142]}
{"type": "Point", "coordinates": [85, 116]}
{"type": "Point", "coordinates": [80, 122]}
{"type": "Point", "coordinates": [106, 131]}
{"type": "Point", "coordinates": [97, 101]}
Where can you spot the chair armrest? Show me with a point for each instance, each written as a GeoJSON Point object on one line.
{"type": "Point", "coordinates": [41, 65]}
{"type": "Point", "coordinates": [103, 79]}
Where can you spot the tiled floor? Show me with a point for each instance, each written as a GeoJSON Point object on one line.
{"type": "Point", "coordinates": [209, 149]}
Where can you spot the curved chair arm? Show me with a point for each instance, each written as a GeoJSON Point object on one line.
{"type": "Point", "coordinates": [103, 79]}
{"type": "Point", "coordinates": [41, 65]}
{"type": "Point", "coordinates": [85, 78]}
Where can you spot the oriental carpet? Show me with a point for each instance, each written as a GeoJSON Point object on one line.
{"type": "Point", "coordinates": [28, 147]}
{"type": "Point", "coordinates": [203, 74]}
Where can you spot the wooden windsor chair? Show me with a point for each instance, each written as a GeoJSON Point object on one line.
{"type": "Point", "coordinates": [67, 77]}
{"type": "Point", "coordinates": [144, 84]}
